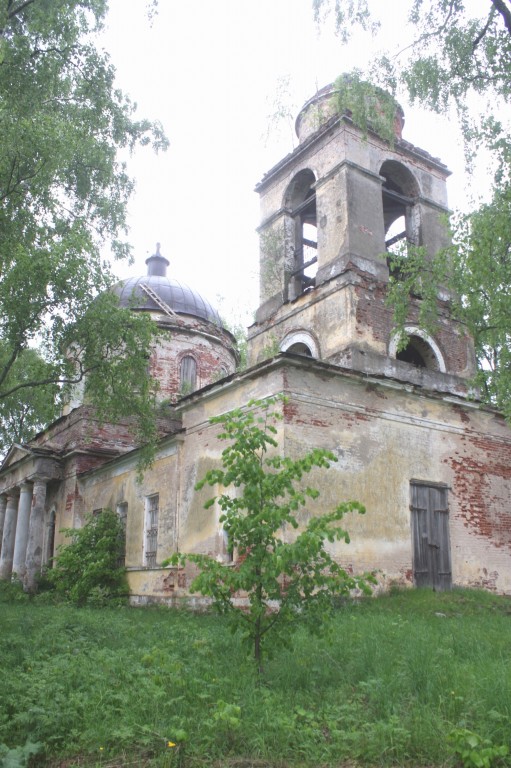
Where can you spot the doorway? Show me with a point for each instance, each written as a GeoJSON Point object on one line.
{"type": "Point", "coordinates": [430, 536]}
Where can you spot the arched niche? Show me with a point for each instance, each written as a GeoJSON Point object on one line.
{"type": "Point", "coordinates": [300, 343]}
{"type": "Point", "coordinates": [300, 201]}
{"type": "Point", "coordinates": [421, 350]}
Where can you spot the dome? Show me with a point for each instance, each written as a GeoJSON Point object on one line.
{"type": "Point", "coordinates": [329, 102]}
{"type": "Point", "coordinates": [143, 292]}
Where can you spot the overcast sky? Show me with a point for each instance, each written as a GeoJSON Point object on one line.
{"type": "Point", "coordinates": [212, 71]}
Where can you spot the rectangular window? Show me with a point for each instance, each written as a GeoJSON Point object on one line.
{"type": "Point", "coordinates": [122, 512]}
{"type": "Point", "coordinates": [151, 530]}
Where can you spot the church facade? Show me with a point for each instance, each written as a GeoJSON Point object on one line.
{"type": "Point", "coordinates": [431, 464]}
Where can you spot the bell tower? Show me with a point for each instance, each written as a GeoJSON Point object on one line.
{"type": "Point", "coordinates": [331, 212]}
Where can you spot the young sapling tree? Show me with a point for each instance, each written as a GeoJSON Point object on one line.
{"type": "Point", "coordinates": [278, 578]}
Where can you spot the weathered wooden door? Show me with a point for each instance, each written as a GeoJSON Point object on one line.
{"type": "Point", "coordinates": [430, 536]}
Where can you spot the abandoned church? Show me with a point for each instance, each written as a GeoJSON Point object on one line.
{"type": "Point", "coordinates": [431, 464]}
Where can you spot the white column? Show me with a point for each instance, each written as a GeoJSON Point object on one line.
{"type": "Point", "coordinates": [35, 536]}
{"type": "Point", "coordinates": [3, 504]}
{"type": "Point", "coordinates": [20, 544]}
{"type": "Point", "coordinates": [9, 535]}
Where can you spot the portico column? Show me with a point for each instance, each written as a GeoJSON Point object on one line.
{"type": "Point", "coordinates": [3, 504]}
{"type": "Point", "coordinates": [9, 535]}
{"type": "Point", "coordinates": [35, 536]}
{"type": "Point", "coordinates": [20, 544]}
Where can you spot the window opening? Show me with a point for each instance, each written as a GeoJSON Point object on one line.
{"type": "Point", "coordinates": [301, 201]}
{"type": "Point", "coordinates": [228, 547]}
{"type": "Point", "coordinates": [299, 349]}
{"type": "Point", "coordinates": [122, 512]}
{"type": "Point", "coordinates": [187, 375]}
{"type": "Point", "coordinates": [419, 353]}
{"type": "Point", "coordinates": [399, 193]}
{"type": "Point", "coordinates": [306, 243]}
{"type": "Point", "coordinates": [151, 530]}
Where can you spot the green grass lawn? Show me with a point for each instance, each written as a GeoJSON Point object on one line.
{"type": "Point", "coordinates": [112, 687]}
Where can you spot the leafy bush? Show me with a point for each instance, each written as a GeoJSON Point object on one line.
{"type": "Point", "coordinates": [12, 592]}
{"type": "Point", "coordinates": [87, 569]}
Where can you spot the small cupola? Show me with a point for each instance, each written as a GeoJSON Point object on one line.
{"type": "Point", "coordinates": [157, 264]}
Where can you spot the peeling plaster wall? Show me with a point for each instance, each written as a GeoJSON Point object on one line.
{"type": "Point", "coordinates": [383, 438]}
{"type": "Point", "coordinates": [351, 310]}
{"type": "Point", "coordinates": [117, 483]}
{"type": "Point", "coordinates": [384, 435]}
{"type": "Point", "coordinates": [210, 346]}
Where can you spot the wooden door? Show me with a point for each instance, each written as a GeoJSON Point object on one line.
{"type": "Point", "coordinates": [430, 536]}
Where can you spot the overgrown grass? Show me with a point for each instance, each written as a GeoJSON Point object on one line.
{"type": "Point", "coordinates": [114, 687]}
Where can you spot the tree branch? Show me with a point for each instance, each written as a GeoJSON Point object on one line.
{"type": "Point", "coordinates": [504, 11]}
{"type": "Point", "coordinates": [484, 30]}
{"type": "Point", "coordinates": [427, 35]}
{"type": "Point", "coordinates": [19, 8]}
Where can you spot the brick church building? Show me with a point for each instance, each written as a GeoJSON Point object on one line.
{"type": "Point", "coordinates": [431, 464]}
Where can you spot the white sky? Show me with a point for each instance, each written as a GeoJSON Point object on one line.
{"type": "Point", "coordinates": [210, 71]}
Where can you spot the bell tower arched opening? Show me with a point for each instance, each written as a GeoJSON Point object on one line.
{"type": "Point", "coordinates": [301, 264]}
{"type": "Point", "coordinates": [401, 219]}
{"type": "Point", "coordinates": [354, 205]}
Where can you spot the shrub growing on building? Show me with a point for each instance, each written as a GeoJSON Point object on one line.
{"type": "Point", "coordinates": [87, 569]}
{"type": "Point", "coordinates": [278, 578]}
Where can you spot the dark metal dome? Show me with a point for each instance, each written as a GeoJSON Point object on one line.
{"type": "Point", "coordinates": [135, 292]}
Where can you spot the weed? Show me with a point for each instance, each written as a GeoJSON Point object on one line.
{"type": "Point", "coordinates": [473, 751]}
{"type": "Point", "coordinates": [130, 681]}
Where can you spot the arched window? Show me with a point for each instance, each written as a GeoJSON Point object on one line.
{"type": "Point", "coordinates": [300, 349]}
{"type": "Point", "coordinates": [300, 343]}
{"type": "Point", "coordinates": [400, 213]}
{"type": "Point", "coordinates": [421, 351]}
{"type": "Point", "coordinates": [187, 375]}
{"type": "Point", "coordinates": [300, 199]}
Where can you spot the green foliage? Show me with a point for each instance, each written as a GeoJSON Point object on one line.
{"type": "Point", "coordinates": [114, 687]}
{"type": "Point", "coordinates": [368, 106]}
{"type": "Point", "coordinates": [474, 751]}
{"type": "Point", "coordinates": [63, 196]}
{"type": "Point", "coordinates": [281, 578]}
{"type": "Point", "coordinates": [87, 569]}
{"type": "Point", "coordinates": [19, 757]}
{"type": "Point", "coordinates": [12, 592]}
{"type": "Point", "coordinates": [270, 349]}
{"type": "Point", "coordinates": [458, 49]}
{"type": "Point", "coordinates": [477, 269]}
{"type": "Point", "coordinates": [414, 273]}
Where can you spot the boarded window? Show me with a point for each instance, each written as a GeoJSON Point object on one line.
{"type": "Point", "coordinates": [188, 375]}
{"type": "Point", "coordinates": [430, 535]}
{"type": "Point", "coordinates": [151, 530]}
{"type": "Point", "coordinates": [50, 540]}
{"type": "Point", "coordinates": [122, 512]}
